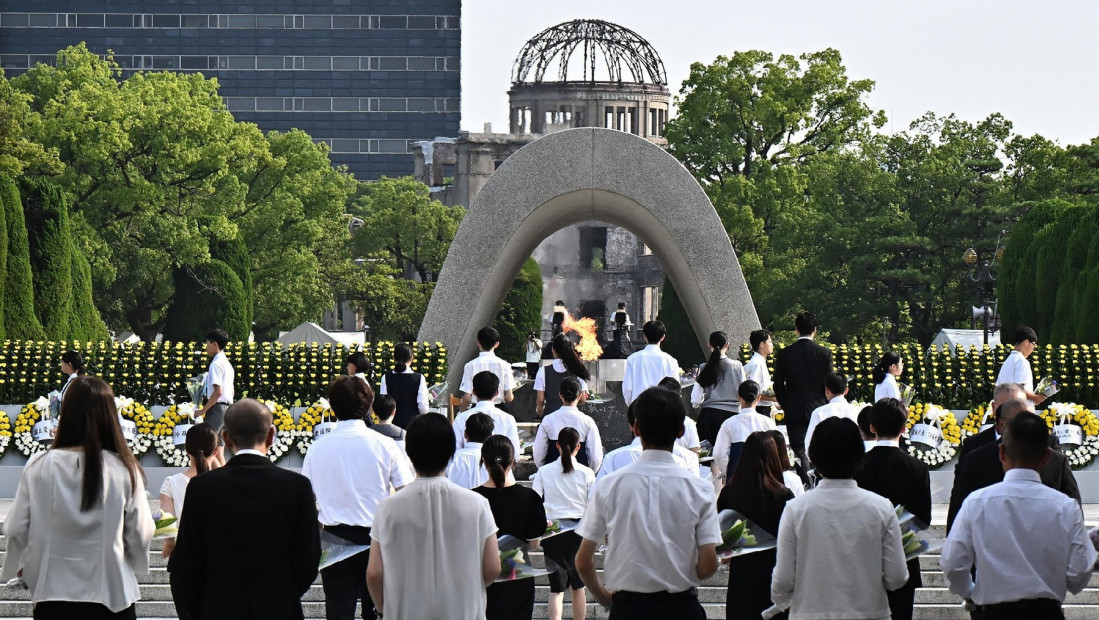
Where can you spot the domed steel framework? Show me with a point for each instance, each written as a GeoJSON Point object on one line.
{"type": "Point", "coordinates": [601, 45]}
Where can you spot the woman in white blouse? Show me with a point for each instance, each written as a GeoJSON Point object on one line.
{"type": "Point", "coordinates": [564, 485]}
{"type": "Point", "coordinates": [202, 441]}
{"type": "Point", "coordinates": [839, 546]}
{"type": "Point", "coordinates": [79, 528]}
{"type": "Point", "coordinates": [72, 366]}
{"type": "Point", "coordinates": [885, 376]}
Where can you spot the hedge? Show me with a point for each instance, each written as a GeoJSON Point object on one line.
{"type": "Point", "coordinates": [962, 377]}
{"type": "Point", "coordinates": [156, 373]}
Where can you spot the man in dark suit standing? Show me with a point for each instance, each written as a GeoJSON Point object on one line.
{"type": "Point", "coordinates": [903, 479]}
{"type": "Point", "coordinates": [983, 468]}
{"type": "Point", "coordinates": [248, 544]}
{"type": "Point", "coordinates": [799, 382]}
{"type": "Point", "coordinates": [1000, 395]}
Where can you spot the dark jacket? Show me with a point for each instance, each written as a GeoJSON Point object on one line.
{"type": "Point", "coordinates": [982, 468]}
{"type": "Point", "coordinates": [799, 379]}
{"type": "Point", "coordinates": [903, 480]}
{"type": "Point", "coordinates": [970, 444]}
{"type": "Point", "coordinates": [248, 544]}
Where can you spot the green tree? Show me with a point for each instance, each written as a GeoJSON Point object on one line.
{"type": "Point", "coordinates": [20, 322]}
{"type": "Point", "coordinates": [681, 341]}
{"type": "Point", "coordinates": [400, 218]}
{"type": "Point", "coordinates": [51, 250]}
{"type": "Point", "coordinates": [1026, 281]}
{"type": "Point", "coordinates": [1087, 328]}
{"type": "Point", "coordinates": [86, 321]}
{"type": "Point", "coordinates": [233, 253]}
{"type": "Point", "coordinates": [208, 296]}
{"type": "Point", "coordinates": [18, 153]}
{"type": "Point", "coordinates": [1015, 308]}
{"type": "Point", "coordinates": [1048, 269]}
{"type": "Point", "coordinates": [1074, 271]}
{"type": "Point", "coordinates": [521, 311]}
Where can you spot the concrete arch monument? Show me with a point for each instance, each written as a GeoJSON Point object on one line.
{"type": "Point", "coordinates": [575, 176]}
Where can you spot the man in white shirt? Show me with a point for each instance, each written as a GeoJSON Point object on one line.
{"type": "Point", "coordinates": [648, 366]}
{"type": "Point", "coordinates": [1019, 573]}
{"type": "Point", "coordinates": [219, 386]}
{"type": "Point", "coordinates": [835, 389]}
{"type": "Point", "coordinates": [660, 524]}
{"type": "Point", "coordinates": [1016, 368]}
{"type": "Point", "coordinates": [627, 455]}
{"type": "Point", "coordinates": [352, 470]}
{"type": "Point", "coordinates": [488, 339]}
{"type": "Point", "coordinates": [412, 574]}
{"type": "Point", "coordinates": [485, 386]}
{"type": "Point", "coordinates": [465, 469]}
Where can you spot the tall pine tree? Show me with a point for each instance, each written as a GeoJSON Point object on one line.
{"type": "Point", "coordinates": [51, 247]}
{"type": "Point", "coordinates": [20, 322]}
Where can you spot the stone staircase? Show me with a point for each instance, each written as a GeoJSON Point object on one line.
{"type": "Point", "coordinates": [933, 601]}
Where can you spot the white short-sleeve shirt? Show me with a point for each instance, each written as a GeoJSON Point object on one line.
{"type": "Point", "coordinates": [175, 487]}
{"type": "Point", "coordinates": [559, 366]}
{"type": "Point", "coordinates": [487, 360]}
{"type": "Point", "coordinates": [756, 370]}
{"type": "Point", "coordinates": [888, 388]}
{"type": "Point", "coordinates": [565, 495]}
{"type": "Point", "coordinates": [503, 423]}
{"type": "Point", "coordinates": [1016, 369]}
{"type": "Point", "coordinates": [220, 373]}
{"type": "Point", "coordinates": [432, 538]}
{"type": "Point", "coordinates": [571, 417]}
{"type": "Point", "coordinates": [655, 516]}
{"type": "Point", "coordinates": [465, 468]}
{"type": "Point", "coordinates": [645, 369]}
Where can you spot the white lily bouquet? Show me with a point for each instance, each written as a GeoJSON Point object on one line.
{"type": "Point", "coordinates": [907, 393]}
{"type": "Point", "coordinates": [166, 525]}
{"type": "Point", "coordinates": [515, 561]}
{"type": "Point", "coordinates": [1047, 387]}
{"type": "Point", "coordinates": [913, 539]}
{"type": "Point", "coordinates": [196, 388]}
{"type": "Point", "coordinates": [55, 404]}
{"type": "Point", "coordinates": [739, 536]}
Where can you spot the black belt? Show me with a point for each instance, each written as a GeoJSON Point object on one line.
{"type": "Point", "coordinates": [654, 596]}
{"type": "Point", "coordinates": [1027, 604]}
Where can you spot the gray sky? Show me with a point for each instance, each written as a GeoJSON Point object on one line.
{"type": "Point", "coordinates": [1034, 62]}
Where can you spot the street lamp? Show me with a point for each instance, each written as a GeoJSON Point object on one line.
{"type": "Point", "coordinates": [983, 278]}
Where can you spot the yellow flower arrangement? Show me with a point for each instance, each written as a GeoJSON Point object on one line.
{"type": "Point", "coordinates": [315, 414]}
{"type": "Point", "coordinates": [5, 432]}
{"type": "Point", "coordinates": [973, 421]}
{"type": "Point", "coordinates": [926, 413]}
{"type": "Point", "coordinates": [1084, 454]}
{"type": "Point", "coordinates": [162, 434]}
{"type": "Point", "coordinates": [286, 431]}
{"type": "Point", "coordinates": [141, 416]}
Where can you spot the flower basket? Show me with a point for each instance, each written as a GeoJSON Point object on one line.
{"type": "Point", "coordinates": [317, 421]}
{"type": "Point", "coordinates": [978, 419]}
{"type": "Point", "coordinates": [137, 424]}
{"type": "Point", "coordinates": [173, 424]}
{"type": "Point", "coordinates": [1077, 428]}
{"type": "Point", "coordinates": [286, 431]}
{"type": "Point", "coordinates": [34, 429]}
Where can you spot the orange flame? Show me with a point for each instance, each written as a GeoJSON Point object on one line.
{"type": "Point", "coordinates": [589, 348]}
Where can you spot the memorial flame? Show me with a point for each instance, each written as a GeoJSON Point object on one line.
{"type": "Point", "coordinates": [589, 348]}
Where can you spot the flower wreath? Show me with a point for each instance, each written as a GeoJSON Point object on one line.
{"type": "Point", "coordinates": [28, 416]}
{"type": "Point", "coordinates": [977, 417]}
{"type": "Point", "coordinates": [5, 432]}
{"type": "Point", "coordinates": [140, 415]}
{"type": "Point", "coordinates": [1079, 415]}
{"type": "Point", "coordinates": [934, 415]}
{"type": "Point", "coordinates": [286, 431]}
{"type": "Point", "coordinates": [162, 434]}
{"type": "Point", "coordinates": [314, 415]}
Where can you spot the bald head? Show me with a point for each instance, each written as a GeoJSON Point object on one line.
{"type": "Point", "coordinates": [1005, 392]}
{"type": "Point", "coordinates": [1009, 410]}
{"type": "Point", "coordinates": [248, 425]}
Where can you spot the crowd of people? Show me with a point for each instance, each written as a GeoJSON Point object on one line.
{"type": "Point", "coordinates": [429, 499]}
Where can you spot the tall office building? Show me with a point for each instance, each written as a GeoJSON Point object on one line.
{"type": "Point", "coordinates": [368, 77]}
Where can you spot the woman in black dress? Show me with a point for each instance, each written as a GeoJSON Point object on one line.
{"type": "Point", "coordinates": [757, 492]}
{"type": "Point", "coordinates": [519, 512]}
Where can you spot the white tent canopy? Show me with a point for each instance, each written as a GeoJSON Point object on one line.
{"type": "Point", "coordinates": [966, 338]}
{"type": "Point", "coordinates": [309, 333]}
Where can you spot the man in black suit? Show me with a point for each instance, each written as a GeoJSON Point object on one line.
{"type": "Point", "coordinates": [248, 544]}
{"type": "Point", "coordinates": [799, 382]}
{"type": "Point", "coordinates": [983, 468]}
{"type": "Point", "coordinates": [905, 480]}
{"type": "Point", "coordinates": [1000, 395]}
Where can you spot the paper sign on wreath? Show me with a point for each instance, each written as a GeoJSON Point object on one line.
{"type": "Point", "coordinates": [323, 428]}
{"type": "Point", "coordinates": [926, 434]}
{"type": "Point", "coordinates": [179, 431]}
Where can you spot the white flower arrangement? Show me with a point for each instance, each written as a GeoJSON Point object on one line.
{"type": "Point", "coordinates": [140, 415]}
{"type": "Point", "coordinates": [934, 458]}
{"type": "Point", "coordinates": [162, 434]}
{"type": "Point", "coordinates": [30, 415]}
{"type": "Point", "coordinates": [1083, 456]}
{"type": "Point", "coordinates": [1066, 415]}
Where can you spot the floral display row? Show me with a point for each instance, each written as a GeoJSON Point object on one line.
{"type": "Point", "coordinates": [157, 372]}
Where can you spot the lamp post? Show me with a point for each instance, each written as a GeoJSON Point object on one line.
{"type": "Point", "coordinates": [983, 278]}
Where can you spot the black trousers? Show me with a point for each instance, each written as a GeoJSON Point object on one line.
{"type": "Point", "coordinates": [656, 606]}
{"type": "Point", "coordinates": [1028, 609]}
{"type": "Point", "coordinates": [345, 582]}
{"type": "Point", "coordinates": [69, 610]}
{"type": "Point", "coordinates": [710, 420]}
{"type": "Point", "coordinates": [901, 601]}
{"type": "Point", "coordinates": [796, 429]}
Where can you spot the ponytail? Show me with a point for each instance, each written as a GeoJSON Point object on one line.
{"type": "Point", "coordinates": [74, 359]}
{"type": "Point", "coordinates": [402, 356]}
{"type": "Point", "coordinates": [497, 454]}
{"type": "Point", "coordinates": [569, 390]}
{"type": "Point", "coordinates": [566, 352]}
{"type": "Point", "coordinates": [713, 372]}
{"type": "Point", "coordinates": [882, 368]}
{"type": "Point", "coordinates": [201, 442]}
{"type": "Point", "coordinates": [567, 440]}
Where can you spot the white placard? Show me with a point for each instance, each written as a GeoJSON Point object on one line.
{"type": "Point", "coordinates": [926, 434]}
{"type": "Point", "coordinates": [1069, 434]}
{"type": "Point", "coordinates": [322, 429]}
{"type": "Point", "coordinates": [179, 434]}
{"type": "Point", "coordinates": [44, 431]}
{"type": "Point", "coordinates": [129, 429]}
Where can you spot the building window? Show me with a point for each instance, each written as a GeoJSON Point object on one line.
{"type": "Point", "coordinates": [593, 248]}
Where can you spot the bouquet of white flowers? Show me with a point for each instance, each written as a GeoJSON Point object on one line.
{"type": "Point", "coordinates": [515, 560]}
{"type": "Point", "coordinates": [196, 388]}
{"type": "Point", "coordinates": [1047, 387]}
{"type": "Point", "coordinates": [166, 525]}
